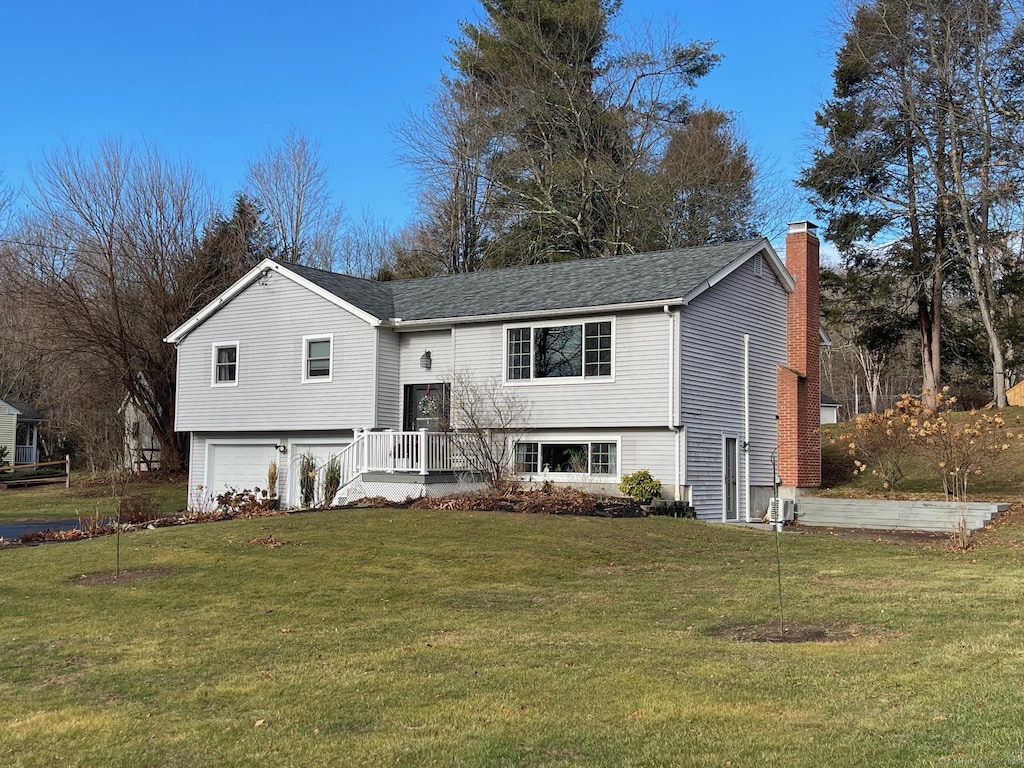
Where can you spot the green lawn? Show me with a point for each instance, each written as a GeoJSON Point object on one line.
{"type": "Point", "coordinates": [85, 498]}
{"type": "Point", "coordinates": [416, 638]}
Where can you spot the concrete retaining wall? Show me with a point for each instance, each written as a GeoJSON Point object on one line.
{"type": "Point", "coordinates": [894, 515]}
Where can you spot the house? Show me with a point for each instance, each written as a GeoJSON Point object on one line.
{"type": "Point", "coordinates": [141, 448]}
{"type": "Point", "coordinates": [1015, 394]}
{"type": "Point", "coordinates": [699, 364]}
{"type": "Point", "coordinates": [829, 409]}
{"type": "Point", "coordinates": [19, 432]}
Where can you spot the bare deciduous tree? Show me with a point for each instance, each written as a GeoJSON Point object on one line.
{"type": "Point", "coordinates": [290, 183]}
{"type": "Point", "coordinates": [107, 269]}
{"type": "Point", "coordinates": [489, 419]}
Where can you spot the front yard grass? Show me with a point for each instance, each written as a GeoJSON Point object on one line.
{"type": "Point", "coordinates": [87, 498]}
{"type": "Point", "coordinates": [414, 638]}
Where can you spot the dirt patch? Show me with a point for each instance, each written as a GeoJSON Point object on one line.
{"type": "Point", "coordinates": [868, 534]}
{"type": "Point", "coordinates": [791, 633]}
{"type": "Point", "coordinates": [269, 541]}
{"type": "Point", "coordinates": [124, 577]}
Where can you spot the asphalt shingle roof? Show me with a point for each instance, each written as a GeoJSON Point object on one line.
{"type": "Point", "coordinates": [368, 295]}
{"type": "Point", "coordinates": [28, 413]}
{"type": "Point", "coordinates": [608, 281]}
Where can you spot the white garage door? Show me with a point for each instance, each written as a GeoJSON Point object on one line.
{"type": "Point", "coordinates": [321, 453]}
{"type": "Point", "coordinates": [239, 466]}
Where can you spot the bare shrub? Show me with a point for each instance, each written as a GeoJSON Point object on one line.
{"type": "Point", "coordinates": [489, 419]}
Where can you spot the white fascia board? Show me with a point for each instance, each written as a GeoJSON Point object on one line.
{"type": "Point", "coordinates": [604, 309]}
{"type": "Point", "coordinates": [763, 247]}
{"type": "Point", "coordinates": [826, 340]}
{"type": "Point", "coordinates": [10, 409]}
{"type": "Point", "coordinates": [267, 265]}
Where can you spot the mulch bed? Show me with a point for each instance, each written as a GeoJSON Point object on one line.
{"type": "Point", "coordinates": [535, 501]}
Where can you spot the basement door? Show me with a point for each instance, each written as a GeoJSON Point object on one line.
{"type": "Point", "coordinates": [730, 465]}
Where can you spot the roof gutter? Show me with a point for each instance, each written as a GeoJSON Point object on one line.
{"type": "Point", "coordinates": [400, 324]}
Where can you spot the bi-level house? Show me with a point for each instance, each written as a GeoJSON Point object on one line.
{"type": "Point", "coordinates": [699, 364]}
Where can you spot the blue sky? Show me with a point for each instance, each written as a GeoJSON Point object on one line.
{"type": "Point", "coordinates": [217, 82]}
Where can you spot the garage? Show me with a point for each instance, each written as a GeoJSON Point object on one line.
{"type": "Point", "coordinates": [321, 453]}
{"type": "Point", "coordinates": [239, 465]}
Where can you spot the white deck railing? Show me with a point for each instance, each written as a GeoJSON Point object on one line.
{"type": "Point", "coordinates": [422, 452]}
{"type": "Point", "coordinates": [419, 452]}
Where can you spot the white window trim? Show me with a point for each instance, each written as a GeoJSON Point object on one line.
{"type": "Point", "coordinates": [555, 380]}
{"type": "Point", "coordinates": [328, 337]}
{"type": "Point", "coordinates": [213, 366]}
{"type": "Point", "coordinates": [571, 477]}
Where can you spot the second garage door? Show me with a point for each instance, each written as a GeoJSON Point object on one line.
{"type": "Point", "coordinates": [239, 466]}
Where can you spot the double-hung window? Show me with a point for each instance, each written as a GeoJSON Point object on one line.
{"type": "Point", "coordinates": [317, 358]}
{"type": "Point", "coordinates": [569, 351]}
{"type": "Point", "coordinates": [225, 365]}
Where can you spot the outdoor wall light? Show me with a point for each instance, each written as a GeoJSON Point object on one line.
{"type": "Point", "coordinates": [282, 448]}
{"type": "Point", "coordinates": [425, 360]}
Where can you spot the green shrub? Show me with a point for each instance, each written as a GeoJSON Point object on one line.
{"type": "Point", "coordinates": [640, 486]}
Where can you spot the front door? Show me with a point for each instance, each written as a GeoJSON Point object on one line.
{"type": "Point", "coordinates": [426, 407]}
{"type": "Point", "coordinates": [730, 462]}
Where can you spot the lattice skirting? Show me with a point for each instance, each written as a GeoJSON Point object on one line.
{"type": "Point", "coordinates": [400, 490]}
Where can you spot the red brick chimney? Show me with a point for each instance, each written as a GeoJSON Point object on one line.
{"type": "Point", "coordinates": [799, 380]}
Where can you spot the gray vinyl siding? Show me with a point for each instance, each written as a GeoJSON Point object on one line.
{"type": "Point", "coordinates": [636, 396]}
{"type": "Point", "coordinates": [388, 380]}
{"type": "Point", "coordinates": [268, 322]}
{"type": "Point", "coordinates": [414, 344]}
{"type": "Point", "coordinates": [196, 466]}
{"type": "Point", "coordinates": [712, 329]}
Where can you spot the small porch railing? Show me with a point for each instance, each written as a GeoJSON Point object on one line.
{"type": "Point", "coordinates": [421, 452]}
{"type": "Point", "coordinates": [26, 454]}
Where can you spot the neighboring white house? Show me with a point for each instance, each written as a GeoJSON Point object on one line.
{"type": "Point", "coordinates": [19, 432]}
{"type": "Point", "coordinates": [675, 361]}
{"type": "Point", "coordinates": [141, 447]}
{"type": "Point", "coordinates": [829, 409]}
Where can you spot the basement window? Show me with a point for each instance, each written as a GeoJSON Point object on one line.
{"type": "Point", "coordinates": [577, 458]}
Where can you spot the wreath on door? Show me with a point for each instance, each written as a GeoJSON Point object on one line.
{"type": "Point", "coordinates": [428, 407]}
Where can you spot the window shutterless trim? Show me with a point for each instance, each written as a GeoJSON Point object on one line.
{"type": "Point", "coordinates": [306, 359]}
{"type": "Point", "coordinates": [534, 450]}
{"type": "Point", "coordinates": [215, 364]}
{"type": "Point", "coordinates": [519, 356]}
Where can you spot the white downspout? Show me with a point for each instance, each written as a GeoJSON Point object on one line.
{"type": "Point", "coordinates": [673, 401]}
{"type": "Point", "coordinates": [376, 372]}
{"type": "Point", "coordinates": [746, 426]}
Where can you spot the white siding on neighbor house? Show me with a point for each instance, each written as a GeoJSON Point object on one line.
{"type": "Point", "coordinates": [637, 395]}
{"type": "Point", "coordinates": [8, 433]}
{"type": "Point", "coordinates": [389, 387]}
{"type": "Point", "coordinates": [268, 322]}
{"type": "Point", "coordinates": [712, 329]}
